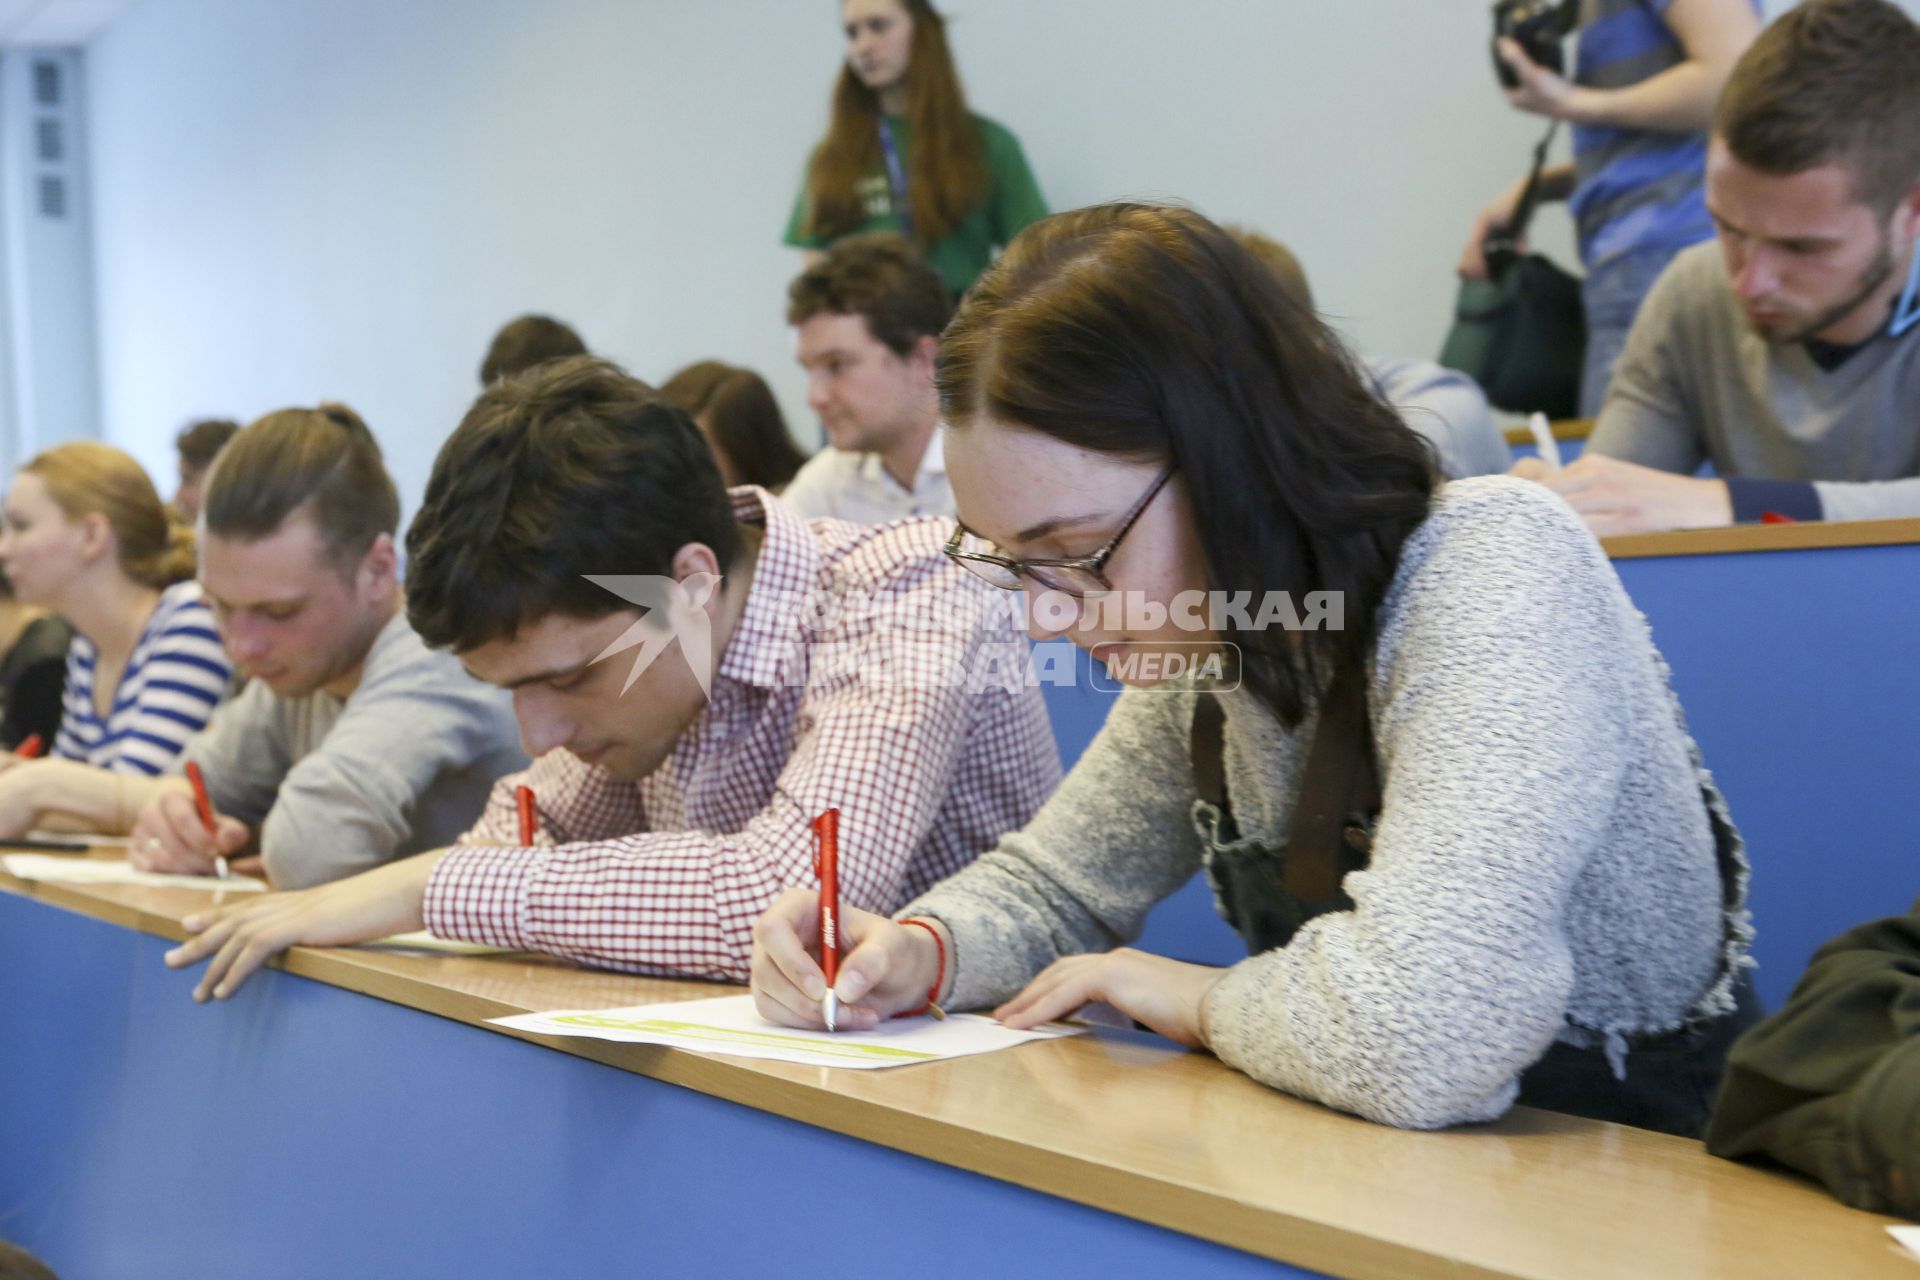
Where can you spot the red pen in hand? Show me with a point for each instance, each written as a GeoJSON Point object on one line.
{"type": "Point", "coordinates": [29, 747]}
{"type": "Point", "coordinates": [205, 806]}
{"type": "Point", "coordinates": [529, 824]}
{"type": "Point", "coordinates": [826, 865]}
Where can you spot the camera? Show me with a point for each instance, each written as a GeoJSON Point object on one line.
{"type": "Point", "coordinates": [1537, 26]}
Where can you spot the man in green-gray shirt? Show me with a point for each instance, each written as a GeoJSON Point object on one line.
{"type": "Point", "coordinates": [353, 743]}
{"type": "Point", "coordinates": [1788, 357]}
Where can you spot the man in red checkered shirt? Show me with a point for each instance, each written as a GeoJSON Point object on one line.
{"type": "Point", "coordinates": [677, 763]}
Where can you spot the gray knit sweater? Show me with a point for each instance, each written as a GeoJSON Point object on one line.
{"type": "Point", "coordinates": [1543, 867]}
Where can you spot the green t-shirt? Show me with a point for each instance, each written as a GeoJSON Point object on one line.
{"type": "Point", "coordinates": [1013, 201]}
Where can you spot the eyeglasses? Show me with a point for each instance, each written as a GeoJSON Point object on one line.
{"type": "Point", "coordinates": [1077, 576]}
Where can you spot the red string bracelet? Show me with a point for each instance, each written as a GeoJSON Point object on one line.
{"type": "Point", "coordinates": [932, 1005]}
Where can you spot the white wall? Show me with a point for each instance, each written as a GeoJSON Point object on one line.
{"type": "Point", "coordinates": [302, 199]}
{"type": "Point", "coordinates": [49, 377]}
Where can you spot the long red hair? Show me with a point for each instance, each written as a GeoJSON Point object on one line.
{"type": "Point", "coordinates": [947, 174]}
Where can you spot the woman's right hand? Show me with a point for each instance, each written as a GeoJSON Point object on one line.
{"type": "Point", "coordinates": [885, 968]}
{"type": "Point", "coordinates": [1495, 217]}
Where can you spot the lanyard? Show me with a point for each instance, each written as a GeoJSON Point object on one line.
{"type": "Point", "coordinates": [1906, 313]}
{"type": "Point", "coordinates": [896, 178]}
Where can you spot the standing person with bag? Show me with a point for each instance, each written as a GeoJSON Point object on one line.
{"type": "Point", "coordinates": [902, 152]}
{"type": "Point", "coordinates": [1520, 329]}
{"type": "Point", "coordinates": [1543, 899]}
{"type": "Point", "coordinates": [1787, 355]}
{"type": "Point", "coordinates": [1640, 99]}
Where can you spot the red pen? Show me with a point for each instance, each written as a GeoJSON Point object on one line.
{"type": "Point", "coordinates": [29, 747]}
{"type": "Point", "coordinates": [529, 824]}
{"type": "Point", "coordinates": [205, 806]}
{"type": "Point", "coordinates": [826, 865]}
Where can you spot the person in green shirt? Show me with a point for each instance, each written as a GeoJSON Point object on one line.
{"type": "Point", "coordinates": [902, 153]}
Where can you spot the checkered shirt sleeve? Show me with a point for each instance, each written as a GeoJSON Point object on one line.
{"type": "Point", "coordinates": [668, 875]}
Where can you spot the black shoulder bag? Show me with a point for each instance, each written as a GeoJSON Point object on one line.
{"type": "Point", "coordinates": [1522, 332]}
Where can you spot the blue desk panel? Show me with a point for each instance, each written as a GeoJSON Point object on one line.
{"type": "Point", "coordinates": [308, 1131]}
{"type": "Point", "coordinates": [1800, 675]}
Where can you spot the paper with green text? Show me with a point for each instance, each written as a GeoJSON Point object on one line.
{"type": "Point", "coordinates": [53, 866]}
{"type": "Point", "coordinates": [730, 1025]}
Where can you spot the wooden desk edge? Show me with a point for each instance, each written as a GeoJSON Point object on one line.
{"type": "Point", "coordinates": [1175, 1203]}
{"type": "Point", "coordinates": [1562, 429]}
{"type": "Point", "coordinates": [1734, 539]}
{"type": "Point", "coordinates": [1198, 1212]}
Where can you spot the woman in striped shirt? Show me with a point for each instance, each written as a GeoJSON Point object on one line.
{"type": "Point", "coordinates": [87, 536]}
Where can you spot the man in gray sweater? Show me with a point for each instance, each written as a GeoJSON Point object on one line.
{"type": "Point", "coordinates": [1788, 357]}
{"type": "Point", "coordinates": [352, 743]}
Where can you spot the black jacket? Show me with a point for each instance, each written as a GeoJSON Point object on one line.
{"type": "Point", "coordinates": [33, 677]}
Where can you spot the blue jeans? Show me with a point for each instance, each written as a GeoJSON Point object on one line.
{"type": "Point", "coordinates": [1611, 296]}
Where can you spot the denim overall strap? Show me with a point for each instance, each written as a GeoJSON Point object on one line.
{"type": "Point", "coordinates": [1267, 893]}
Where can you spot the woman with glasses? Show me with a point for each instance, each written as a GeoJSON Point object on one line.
{"type": "Point", "coordinates": [1442, 788]}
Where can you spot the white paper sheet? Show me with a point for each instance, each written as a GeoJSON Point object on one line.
{"type": "Point", "coordinates": [421, 940]}
{"type": "Point", "coordinates": [53, 866]}
{"type": "Point", "coordinates": [1908, 1236]}
{"type": "Point", "coordinates": [729, 1025]}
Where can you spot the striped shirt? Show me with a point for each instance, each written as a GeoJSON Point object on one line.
{"type": "Point", "coordinates": [811, 707]}
{"type": "Point", "coordinates": [174, 677]}
{"type": "Point", "coordinates": [1636, 188]}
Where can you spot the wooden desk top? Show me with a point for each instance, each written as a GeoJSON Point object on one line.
{"type": "Point", "coordinates": [1562, 429]}
{"type": "Point", "coordinates": [1731, 539]}
{"type": "Point", "coordinates": [1131, 1125]}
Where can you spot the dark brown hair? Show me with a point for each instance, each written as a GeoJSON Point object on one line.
{"type": "Point", "coordinates": [1278, 259]}
{"type": "Point", "coordinates": [946, 166]}
{"type": "Point", "coordinates": [85, 477]}
{"type": "Point", "coordinates": [743, 421]}
{"type": "Point", "coordinates": [199, 441]}
{"type": "Point", "coordinates": [1830, 82]}
{"type": "Point", "coordinates": [1148, 332]}
{"type": "Point", "coordinates": [572, 468]}
{"type": "Point", "coordinates": [881, 278]}
{"type": "Point", "coordinates": [525, 342]}
{"type": "Point", "coordinates": [323, 461]}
